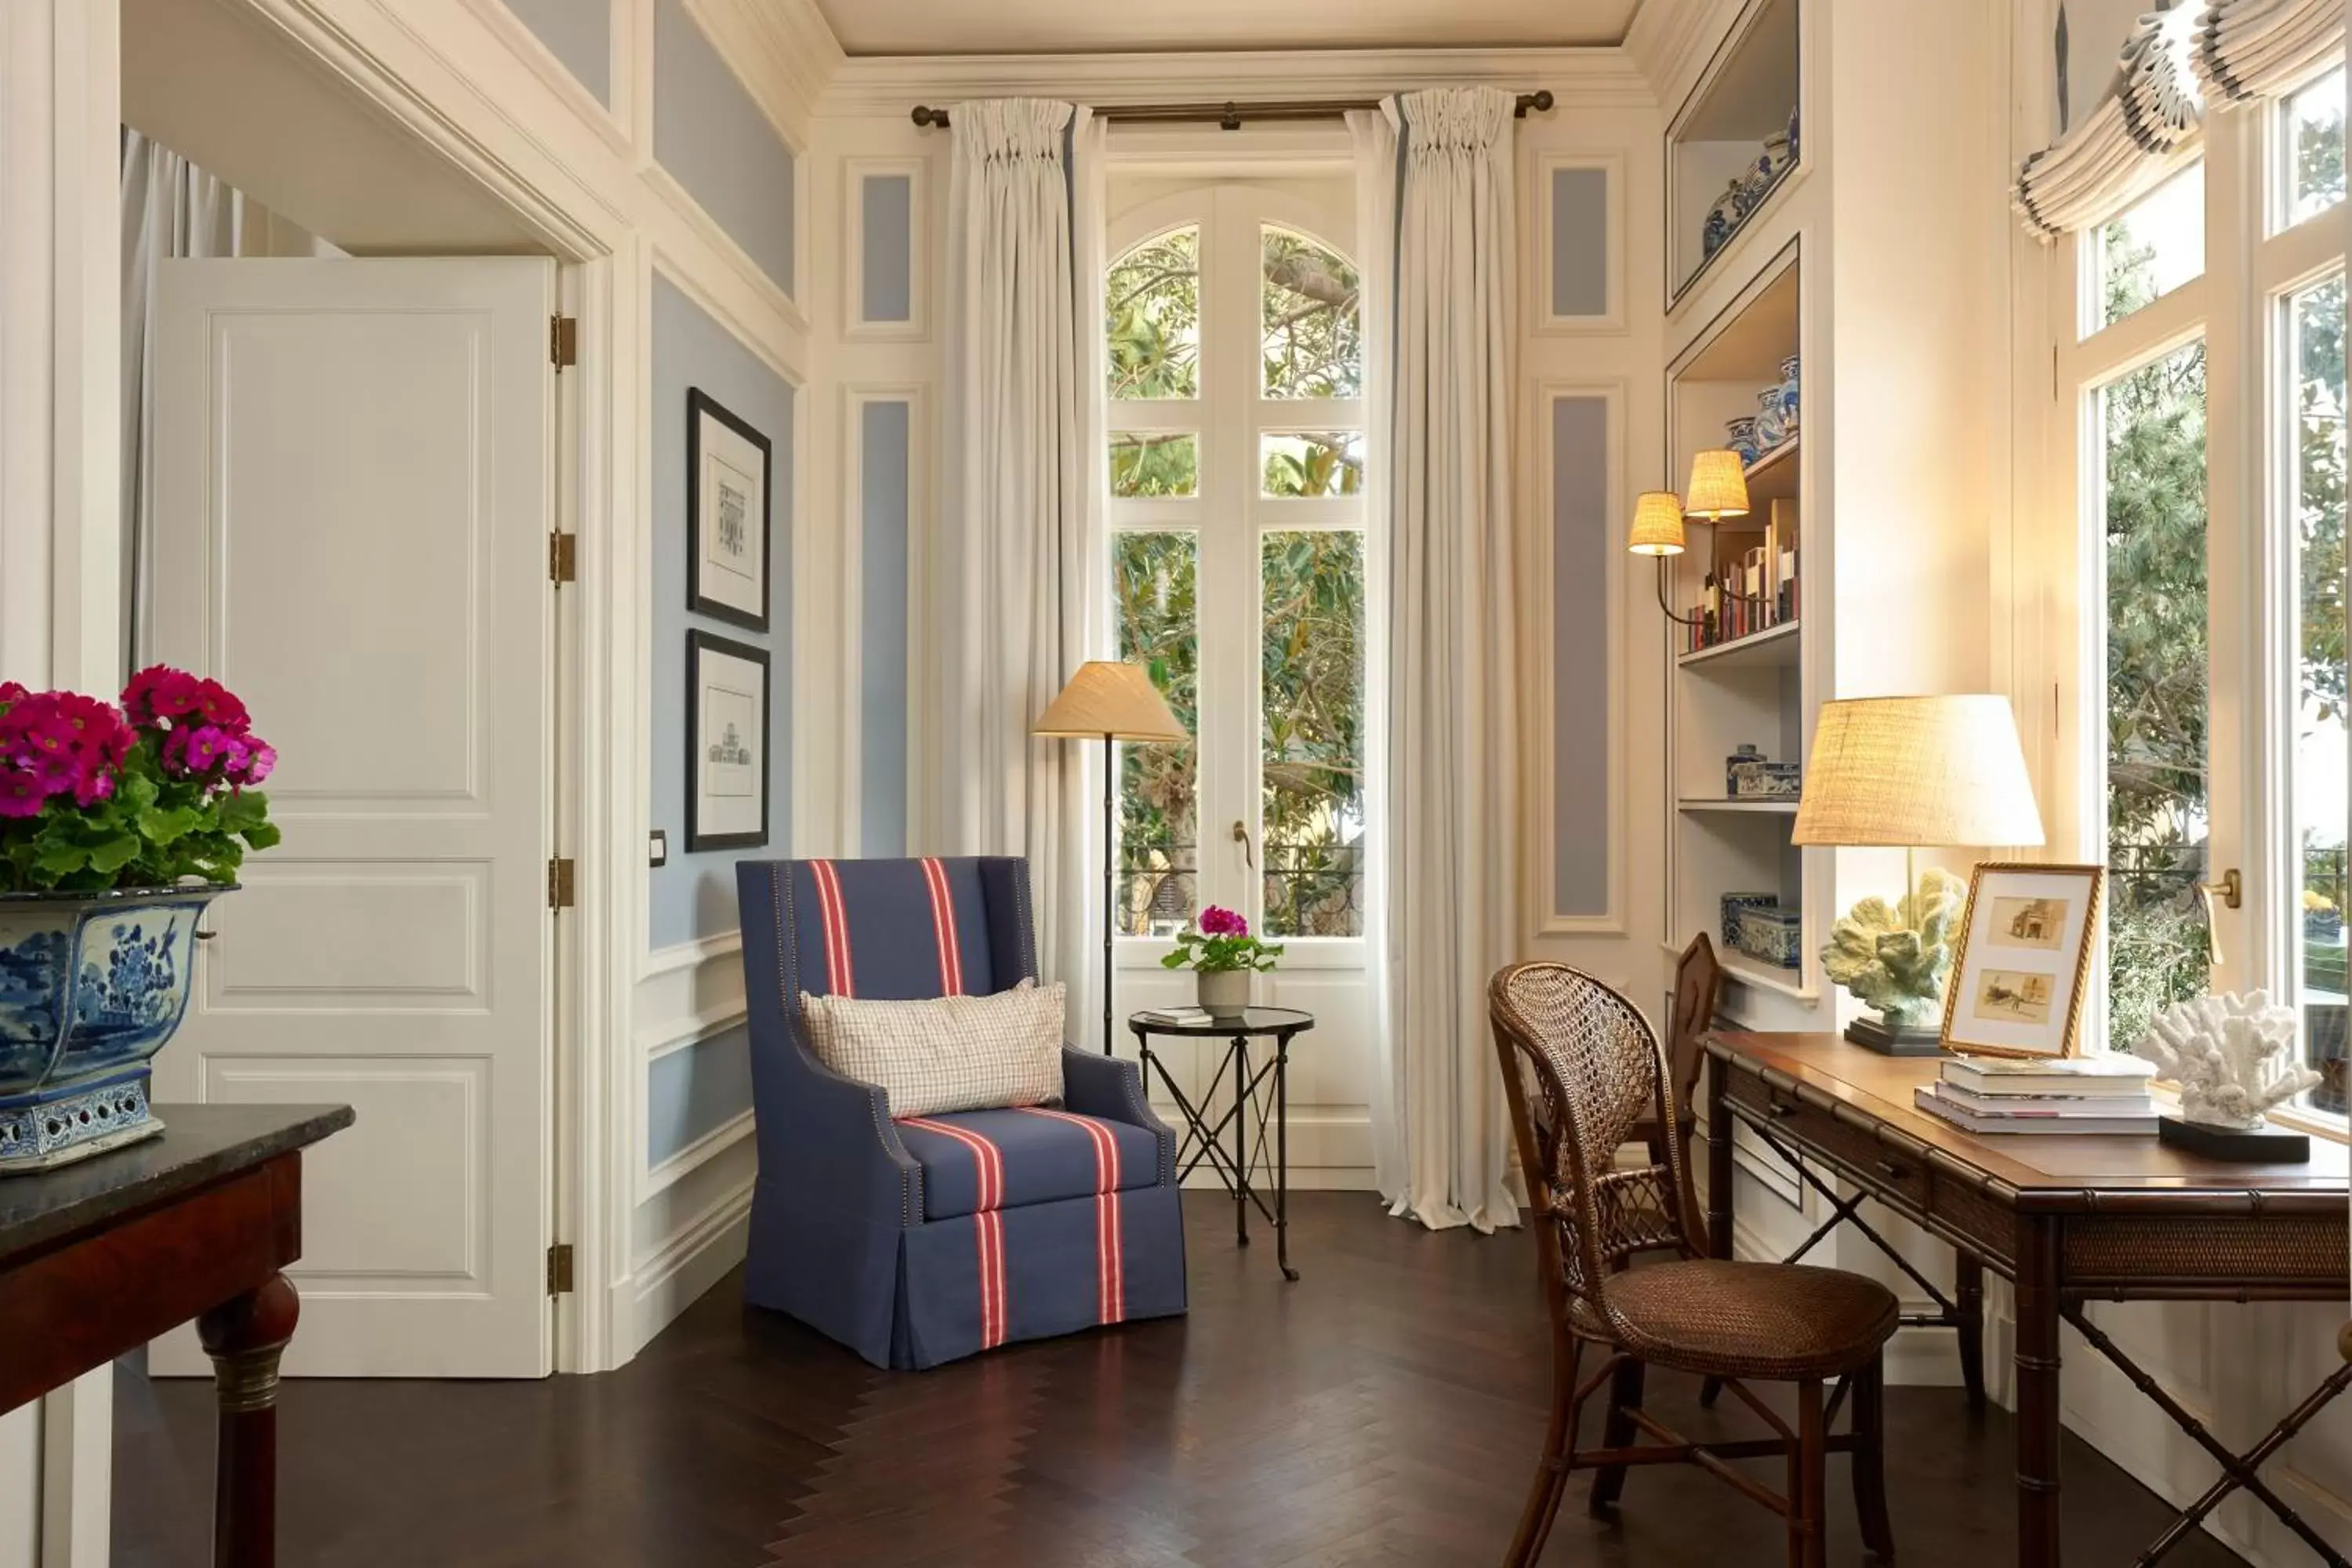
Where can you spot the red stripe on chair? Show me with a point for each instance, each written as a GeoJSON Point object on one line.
{"type": "Point", "coordinates": [943, 928]}
{"type": "Point", "coordinates": [1111, 1280]}
{"type": "Point", "coordinates": [840, 974]}
{"type": "Point", "coordinates": [988, 1224]}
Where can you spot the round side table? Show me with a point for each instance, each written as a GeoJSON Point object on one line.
{"type": "Point", "coordinates": [1249, 1079]}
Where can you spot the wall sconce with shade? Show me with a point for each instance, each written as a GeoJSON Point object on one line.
{"type": "Point", "coordinates": [1908, 772]}
{"type": "Point", "coordinates": [1718, 489]}
{"type": "Point", "coordinates": [1110, 701]}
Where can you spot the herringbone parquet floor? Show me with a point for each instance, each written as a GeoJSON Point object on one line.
{"type": "Point", "coordinates": [1384, 1411]}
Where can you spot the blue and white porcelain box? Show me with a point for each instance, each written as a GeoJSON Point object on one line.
{"type": "Point", "coordinates": [92, 984]}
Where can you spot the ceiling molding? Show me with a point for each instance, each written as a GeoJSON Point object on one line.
{"type": "Point", "coordinates": [792, 52]}
{"type": "Point", "coordinates": [1602, 77]}
{"type": "Point", "coordinates": [1671, 42]}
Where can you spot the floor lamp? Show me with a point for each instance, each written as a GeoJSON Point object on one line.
{"type": "Point", "coordinates": [1109, 701]}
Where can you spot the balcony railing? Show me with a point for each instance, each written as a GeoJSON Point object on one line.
{"type": "Point", "coordinates": [1309, 890]}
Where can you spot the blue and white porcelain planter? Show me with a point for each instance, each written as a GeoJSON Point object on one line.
{"type": "Point", "coordinates": [92, 984]}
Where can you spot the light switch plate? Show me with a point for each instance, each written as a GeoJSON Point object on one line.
{"type": "Point", "coordinates": [657, 847]}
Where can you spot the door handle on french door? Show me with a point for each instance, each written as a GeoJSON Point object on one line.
{"type": "Point", "coordinates": [1249, 851]}
{"type": "Point", "coordinates": [2231, 889]}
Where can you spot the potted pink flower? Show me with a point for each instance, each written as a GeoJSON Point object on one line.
{"type": "Point", "coordinates": [1224, 955]}
{"type": "Point", "coordinates": [118, 825]}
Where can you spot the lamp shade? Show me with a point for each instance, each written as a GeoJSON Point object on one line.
{"type": "Point", "coordinates": [1106, 698]}
{"type": "Point", "coordinates": [1719, 486]}
{"type": "Point", "coordinates": [1657, 524]}
{"type": "Point", "coordinates": [1905, 771]}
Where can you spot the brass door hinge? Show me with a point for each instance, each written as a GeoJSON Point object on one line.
{"type": "Point", "coordinates": [563, 341]}
{"type": "Point", "coordinates": [559, 1270]}
{"type": "Point", "coordinates": [562, 557]}
{"type": "Point", "coordinates": [561, 894]}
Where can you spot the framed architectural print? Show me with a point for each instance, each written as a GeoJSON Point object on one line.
{"type": "Point", "coordinates": [728, 467]}
{"type": "Point", "coordinates": [2023, 959]}
{"type": "Point", "coordinates": [727, 763]}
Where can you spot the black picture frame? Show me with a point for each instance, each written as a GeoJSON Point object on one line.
{"type": "Point", "coordinates": [700, 404]}
{"type": "Point", "coordinates": [697, 644]}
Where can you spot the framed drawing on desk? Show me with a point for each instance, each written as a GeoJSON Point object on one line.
{"type": "Point", "coordinates": [2022, 959]}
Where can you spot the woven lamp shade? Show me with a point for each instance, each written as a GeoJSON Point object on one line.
{"type": "Point", "coordinates": [1657, 524]}
{"type": "Point", "coordinates": [1113, 699]}
{"type": "Point", "coordinates": [1718, 487]}
{"type": "Point", "coordinates": [1904, 771]}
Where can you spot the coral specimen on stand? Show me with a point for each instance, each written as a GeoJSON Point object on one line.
{"type": "Point", "coordinates": [1895, 960]}
{"type": "Point", "coordinates": [2232, 1055]}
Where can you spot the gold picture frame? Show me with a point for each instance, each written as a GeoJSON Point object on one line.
{"type": "Point", "coordinates": [2022, 960]}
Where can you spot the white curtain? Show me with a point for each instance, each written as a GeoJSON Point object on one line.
{"type": "Point", "coordinates": [2246, 49]}
{"type": "Point", "coordinates": [170, 208]}
{"type": "Point", "coordinates": [1448, 742]}
{"type": "Point", "coordinates": [2126, 145]}
{"type": "Point", "coordinates": [1010, 579]}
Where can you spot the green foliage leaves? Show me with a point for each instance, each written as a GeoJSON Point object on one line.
{"type": "Point", "coordinates": [154, 830]}
{"type": "Point", "coordinates": [1311, 326]}
{"type": "Point", "coordinates": [1152, 309]}
{"type": "Point", "coordinates": [1222, 954]}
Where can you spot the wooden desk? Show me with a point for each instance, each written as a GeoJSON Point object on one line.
{"type": "Point", "coordinates": [102, 1256]}
{"type": "Point", "coordinates": [2068, 1220]}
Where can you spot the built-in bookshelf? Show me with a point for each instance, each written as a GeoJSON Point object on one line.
{"type": "Point", "coordinates": [1736, 143]}
{"type": "Point", "coordinates": [1739, 680]}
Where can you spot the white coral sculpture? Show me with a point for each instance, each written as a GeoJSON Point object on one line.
{"type": "Point", "coordinates": [2232, 1055]}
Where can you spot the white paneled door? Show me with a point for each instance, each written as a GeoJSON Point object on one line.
{"type": "Point", "coordinates": [354, 471]}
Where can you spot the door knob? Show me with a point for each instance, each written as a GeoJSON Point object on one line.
{"type": "Point", "coordinates": [2232, 891]}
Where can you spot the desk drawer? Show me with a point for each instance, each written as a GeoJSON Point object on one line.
{"type": "Point", "coordinates": [1900, 1178]}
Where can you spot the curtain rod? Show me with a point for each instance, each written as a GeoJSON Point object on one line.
{"type": "Point", "coordinates": [1230, 114]}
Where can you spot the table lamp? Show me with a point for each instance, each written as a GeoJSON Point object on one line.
{"type": "Point", "coordinates": [1111, 702]}
{"type": "Point", "coordinates": [1907, 771]}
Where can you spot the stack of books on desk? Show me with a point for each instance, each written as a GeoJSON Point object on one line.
{"type": "Point", "coordinates": [2072, 1096]}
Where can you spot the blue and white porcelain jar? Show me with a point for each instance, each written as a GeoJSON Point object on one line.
{"type": "Point", "coordinates": [1791, 387]}
{"type": "Point", "coordinates": [1770, 433]}
{"type": "Point", "coordinates": [1739, 435]}
{"type": "Point", "coordinates": [91, 985]}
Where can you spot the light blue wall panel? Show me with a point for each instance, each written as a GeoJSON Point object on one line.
{"type": "Point", "coordinates": [694, 895]}
{"type": "Point", "coordinates": [577, 32]}
{"type": "Point", "coordinates": [1580, 242]}
{"type": "Point", "coordinates": [710, 134]}
{"type": "Point", "coordinates": [695, 1090]}
{"type": "Point", "coordinates": [1582, 542]}
{"type": "Point", "coordinates": [886, 204]}
{"type": "Point", "coordinates": [882, 488]}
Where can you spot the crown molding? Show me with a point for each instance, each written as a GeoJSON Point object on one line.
{"type": "Point", "coordinates": [793, 53]}
{"type": "Point", "coordinates": [1671, 42]}
{"type": "Point", "coordinates": [1603, 78]}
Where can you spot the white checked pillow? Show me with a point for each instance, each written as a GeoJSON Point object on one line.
{"type": "Point", "coordinates": [945, 1053]}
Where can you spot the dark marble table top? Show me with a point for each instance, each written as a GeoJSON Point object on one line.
{"type": "Point", "coordinates": [200, 1144]}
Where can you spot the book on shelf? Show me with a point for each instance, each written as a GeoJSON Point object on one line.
{"type": "Point", "coordinates": [1750, 585]}
{"type": "Point", "coordinates": [2094, 1077]}
{"type": "Point", "coordinates": [2092, 1119]}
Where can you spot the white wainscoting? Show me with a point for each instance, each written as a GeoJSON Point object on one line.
{"type": "Point", "coordinates": [692, 1215]}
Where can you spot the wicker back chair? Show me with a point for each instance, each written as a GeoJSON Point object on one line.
{"type": "Point", "coordinates": [1582, 1070]}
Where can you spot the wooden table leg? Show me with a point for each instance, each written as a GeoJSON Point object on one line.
{"type": "Point", "coordinates": [245, 1336]}
{"type": "Point", "coordinates": [2038, 1303]}
{"type": "Point", "coordinates": [1968, 1297]}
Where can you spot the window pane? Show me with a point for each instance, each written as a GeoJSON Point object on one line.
{"type": "Point", "coordinates": [2153, 427]}
{"type": "Point", "coordinates": [2154, 247]}
{"type": "Point", "coordinates": [2315, 143]}
{"type": "Point", "coordinates": [1153, 585]}
{"type": "Point", "coordinates": [1149, 465]}
{"type": "Point", "coordinates": [1312, 668]}
{"type": "Point", "coordinates": [2321, 742]}
{"type": "Point", "coordinates": [1314, 339]}
{"type": "Point", "coordinates": [1152, 316]}
{"type": "Point", "coordinates": [1325, 463]}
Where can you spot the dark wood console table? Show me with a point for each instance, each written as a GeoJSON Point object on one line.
{"type": "Point", "coordinates": [99, 1257]}
{"type": "Point", "coordinates": [2069, 1220]}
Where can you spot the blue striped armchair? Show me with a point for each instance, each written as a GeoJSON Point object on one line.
{"type": "Point", "coordinates": [921, 1240]}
